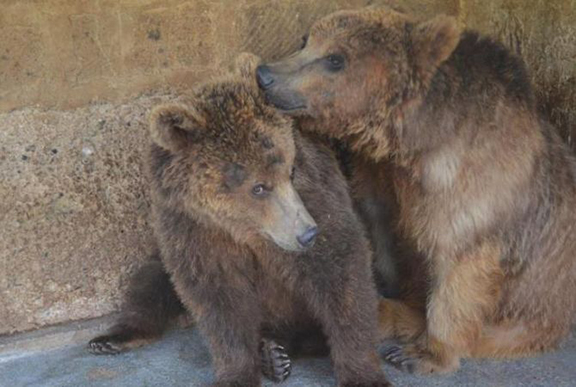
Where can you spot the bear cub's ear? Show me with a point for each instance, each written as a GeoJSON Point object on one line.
{"type": "Point", "coordinates": [434, 41]}
{"type": "Point", "coordinates": [174, 126]}
{"type": "Point", "coordinates": [245, 66]}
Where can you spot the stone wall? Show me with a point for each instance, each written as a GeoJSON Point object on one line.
{"type": "Point", "coordinates": [77, 78]}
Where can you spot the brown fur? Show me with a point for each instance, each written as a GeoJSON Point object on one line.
{"type": "Point", "coordinates": [150, 306]}
{"type": "Point", "coordinates": [486, 191]}
{"type": "Point", "coordinates": [212, 234]}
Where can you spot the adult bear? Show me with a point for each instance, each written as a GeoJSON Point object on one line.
{"type": "Point", "coordinates": [486, 189]}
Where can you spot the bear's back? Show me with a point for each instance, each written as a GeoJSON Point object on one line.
{"type": "Point", "coordinates": [481, 67]}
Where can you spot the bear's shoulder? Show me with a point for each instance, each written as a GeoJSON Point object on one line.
{"type": "Point", "coordinates": [480, 59]}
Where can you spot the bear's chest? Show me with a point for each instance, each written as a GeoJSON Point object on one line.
{"type": "Point", "coordinates": [280, 304]}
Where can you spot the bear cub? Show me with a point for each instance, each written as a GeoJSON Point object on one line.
{"type": "Point", "coordinates": [257, 238]}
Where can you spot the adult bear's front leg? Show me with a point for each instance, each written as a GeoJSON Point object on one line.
{"type": "Point", "coordinates": [465, 291]}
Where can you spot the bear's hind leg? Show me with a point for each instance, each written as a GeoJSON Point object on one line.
{"type": "Point", "coordinates": [119, 339]}
{"type": "Point", "coordinates": [512, 340]}
{"type": "Point", "coordinates": [151, 304]}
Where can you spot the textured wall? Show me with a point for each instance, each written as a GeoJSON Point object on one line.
{"type": "Point", "coordinates": [77, 79]}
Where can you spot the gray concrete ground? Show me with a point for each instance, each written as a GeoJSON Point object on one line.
{"type": "Point", "coordinates": [182, 359]}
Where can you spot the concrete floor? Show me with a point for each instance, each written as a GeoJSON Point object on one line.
{"type": "Point", "coordinates": [182, 359]}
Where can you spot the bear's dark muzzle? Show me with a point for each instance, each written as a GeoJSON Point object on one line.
{"type": "Point", "coordinates": [264, 77]}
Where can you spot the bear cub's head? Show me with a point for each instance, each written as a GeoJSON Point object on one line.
{"type": "Point", "coordinates": [228, 161]}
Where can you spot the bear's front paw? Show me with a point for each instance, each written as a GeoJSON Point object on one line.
{"type": "Point", "coordinates": [276, 364]}
{"type": "Point", "coordinates": [414, 359]}
{"type": "Point", "coordinates": [104, 345]}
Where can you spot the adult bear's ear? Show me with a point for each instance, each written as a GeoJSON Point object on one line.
{"type": "Point", "coordinates": [433, 42]}
{"type": "Point", "coordinates": [245, 66]}
{"type": "Point", "coordinates": [174, 126]}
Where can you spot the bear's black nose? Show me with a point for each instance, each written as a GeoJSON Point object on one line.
{"type": "Point", "coordinates": [264, 77]}
{"type": "Point", "coordinates": [308, 237]}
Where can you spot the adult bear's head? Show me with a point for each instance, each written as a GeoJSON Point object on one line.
{"type": "Point", "coordinates": [360, 69]}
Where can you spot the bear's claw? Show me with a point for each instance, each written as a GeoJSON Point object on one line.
{"type": "Point", "coordinates": [276, 364]}
{"type": "Point", "coordinates": [103, 345]}
{"type": "Point", "coordinates": [396, 356]}
{"type": "Point", "coordinates": [415, 359]}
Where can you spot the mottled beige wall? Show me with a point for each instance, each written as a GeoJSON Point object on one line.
{"type": "Point", "coordinates": [77, 78]}
{"type": "Point", "coordinates": [66, 53]}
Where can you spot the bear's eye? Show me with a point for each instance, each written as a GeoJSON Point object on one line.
{"type": "Point", "coordinates": [259, 190]}
{"type": "Point", "coordinates": [335, 62]}
{"type": "Point", "coordinates": [292, 171]}
{"type": "Point", "coordinates": [304, 41]}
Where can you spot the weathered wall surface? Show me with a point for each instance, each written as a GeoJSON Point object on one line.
{"type": "Point", "coordinates": [77, 78]}
{"type": "Point", "coordinates": [66, 53]}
